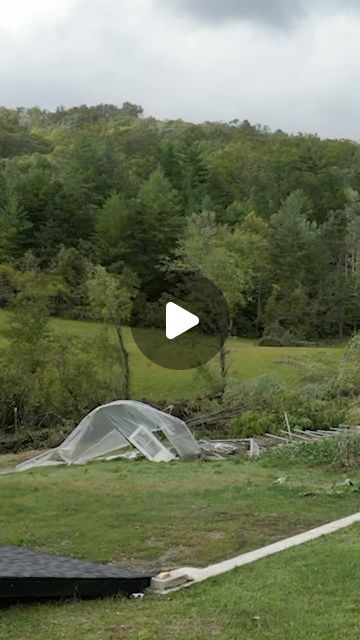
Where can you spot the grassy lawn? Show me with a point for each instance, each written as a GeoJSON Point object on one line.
{"type": "Point", "coordinates": [148, 515]}
{"type": "Point", "coordinates": [307, 593]}
{"type": "Point", "coordinates": [167, 515]}
{"type": "Point", "coordinates": [204, 511]}
{"type": "Point", "coordinates": [247, 360]}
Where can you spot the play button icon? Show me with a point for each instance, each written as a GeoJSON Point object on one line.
{"type": "Point", "coordinates": [178, 320]}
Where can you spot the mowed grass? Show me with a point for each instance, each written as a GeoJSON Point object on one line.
{"type": "Point", "coordinates": [151, 516]}
{"type": "Point", "coordinates": [247, 360]}
{"type": "Point", "coordinates": [164, 515]}
{"type": "Point", "coordinates": [306, 593]}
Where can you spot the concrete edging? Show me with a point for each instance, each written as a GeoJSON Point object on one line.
{"type": "Point", "coordinates": [186, 576]}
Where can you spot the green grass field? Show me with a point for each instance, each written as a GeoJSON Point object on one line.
{"type": "Point", "coordinates": [166, 515]}
{"type": "Point", "coordinates": [308, 593]}
{"type": "Point", "coordinates": [247, 360]}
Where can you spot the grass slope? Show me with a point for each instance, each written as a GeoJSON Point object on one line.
{"type": "Point", "coordinates": [165, 515]}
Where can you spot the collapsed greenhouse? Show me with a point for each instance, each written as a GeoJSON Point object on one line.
{"type": "Point", "coordinates": [113, 430]}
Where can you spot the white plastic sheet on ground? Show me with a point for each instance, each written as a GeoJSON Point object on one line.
{"type": "Point", "coordinates": [109, 431]}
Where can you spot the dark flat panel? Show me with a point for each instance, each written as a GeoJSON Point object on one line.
{"type": "Point", "coordinates": [27, 575]}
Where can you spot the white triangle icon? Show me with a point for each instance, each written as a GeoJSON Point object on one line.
{"type": "Point", "coordinates": [178, 320]}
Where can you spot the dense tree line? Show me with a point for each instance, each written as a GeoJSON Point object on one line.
{"type": "Point", "coordinates": [273, 218]}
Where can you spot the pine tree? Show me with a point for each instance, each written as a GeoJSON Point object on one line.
{"type": "Point", "coordinates": [292, 257]}
{"type": "Point", "coordinates": [14, 230]}
{"type": "Point", "coordinates": [159, 220]}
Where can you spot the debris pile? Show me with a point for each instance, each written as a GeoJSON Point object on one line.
{"type": "Point", "coordinates": [220, 449]}
{"type": "Point", "coordinates": [132, 430]}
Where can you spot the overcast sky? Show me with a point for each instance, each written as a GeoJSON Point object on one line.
{"type": "Point", "coordinates": [290, 64]}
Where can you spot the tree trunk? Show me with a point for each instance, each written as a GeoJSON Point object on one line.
{"type": "Point", "coordinates": [341, 329]}
{"type": "Point", "coordinates": [223, 366]}
{"type": "Point", "coordinates": [258, 311]}
{"type": "Point", "coordinates": [125, 364]}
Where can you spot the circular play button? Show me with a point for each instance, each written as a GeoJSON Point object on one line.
{"type": "Point", "coordinates": [180, 320]}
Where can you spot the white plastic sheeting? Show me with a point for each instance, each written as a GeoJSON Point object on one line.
{"type": "Point", "coordinates": [109, 430]}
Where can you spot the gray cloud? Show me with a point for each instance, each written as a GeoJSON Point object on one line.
{"type": "Point", "coordinates": [112, 51]}
{"type": "Point", "coordinates": [280, 13]}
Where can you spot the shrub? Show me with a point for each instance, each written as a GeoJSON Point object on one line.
{"type": "Point", "coordinates": [8, 284]}
{"type": "Point", "coordinates": [60, 300]}
{"type": "Point", "coordinates": [348, 377]}
{"type": "Point", "coordinates": [276, 336]}
{"type": "Point", "coordinates": [310, 406]}
{"type": "Point", "coordinates": [52, 380]}
{"type": "Point", "coordinates": [254, 394]}
{"type": "Point", "coordinates": [252, 423]}
{"type": "Point", "coordinates": [70, 377]}
{"type": "Point", "coordinates": [340, 451]}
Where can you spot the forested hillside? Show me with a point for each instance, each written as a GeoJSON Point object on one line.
{"type": "Point", "coordinates": [278, 214]}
